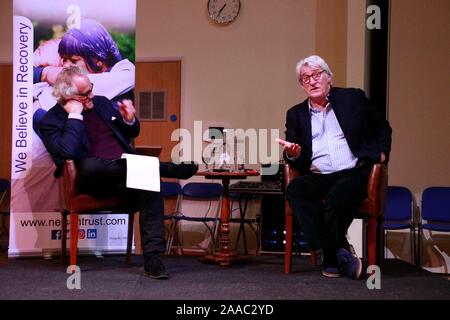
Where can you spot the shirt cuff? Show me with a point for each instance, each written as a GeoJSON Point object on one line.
{"type": "Point", "coordinates": [290, 158]}
{"type": "Point", "coordinates": [73, 115]}
{"type": "Point", "coordinates": [37, 74]}
{"type": "Point", "coordinates": [130, 123]}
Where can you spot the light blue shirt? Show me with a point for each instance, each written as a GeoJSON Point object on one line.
{"type": "Point", "coordinates": [330, 150]}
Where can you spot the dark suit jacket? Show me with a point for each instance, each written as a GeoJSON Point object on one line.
{"type": "Point", "coordinates": [66, 138]}
{"type": "Point", "coordinates": [367, 134]}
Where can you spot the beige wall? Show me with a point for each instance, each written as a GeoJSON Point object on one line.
{"type": "Point", "coordinates": [355, 43]}
{"type": "Point", "coordinates": [241, 75]}
{"type": "Point", "coordinates": [331, 37]}
{"type": "Point", "coordinates": [419, 110]}
{"type": "Point", "coordinates": [419, 100]}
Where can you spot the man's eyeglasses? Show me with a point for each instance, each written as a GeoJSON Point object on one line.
{"type": "Point", "coordinates": [307, 79]}
{"type": "Point", "coordinates": [87, 93]}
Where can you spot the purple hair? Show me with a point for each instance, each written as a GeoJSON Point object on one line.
{"type": "Point", "coordinates": [92, 42]}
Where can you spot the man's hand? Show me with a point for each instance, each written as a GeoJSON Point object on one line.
{"type": "Point", "coordinates": [49, 74]}
{"type": "Point", "coordinates": [47, 54]}
{"type": "Point", "coordinates": [127, 110]}
{"type": "Point", "coordinates": [73, 106]}
{"type": "Point", "coordinates": [292, 150]}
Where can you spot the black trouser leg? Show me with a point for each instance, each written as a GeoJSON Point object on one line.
{"type": "Point", "coordinates": [99, 177]}
{"type": "Point", "coordinates": [325, 205]}
{"type": "Point", "coordinates": [152, 222]}
{"type": "Point", "coordinates": [348, 189]}
{"type": "Point", "coordinates": [305, 195]}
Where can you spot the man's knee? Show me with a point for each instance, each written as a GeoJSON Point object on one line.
{"type": "Point", "coordinates": [152, 199]}
{"type": "Point", "coordinates": [89, 166]}
{"type": "Point", "coordinates": [298, 189]}
{"type": "Point", "coordinates": [342, 202]}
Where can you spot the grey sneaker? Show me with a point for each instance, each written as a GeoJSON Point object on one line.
{"type": "Point", "coordinates": [331, 272]}
{"type": "Point", "coordinates": [351, 265]}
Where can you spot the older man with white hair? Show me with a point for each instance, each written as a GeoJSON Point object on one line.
{"type": "Point", "coordinates": [333, 138]}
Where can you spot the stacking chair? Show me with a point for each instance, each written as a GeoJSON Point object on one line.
{"type": "Point", "coordinates": [170, 190]}
{"type": "Point", "coordinates": [371, 209]}
{"type": "Point", "coordinates": [205, 192]}
{"type": "Point", "coordinates": [399, 215]}
{"type": "Point", "coordinates": [435, 212]}
{"type": "Point", "coordinates": [4, 202]}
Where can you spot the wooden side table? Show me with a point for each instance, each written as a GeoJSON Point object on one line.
{"type": "Point", "coordinates": [225, 256]}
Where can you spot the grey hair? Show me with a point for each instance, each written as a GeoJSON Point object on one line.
{"type": "Point", "coordinates": [313, 61]}
{"type": "Point", "coordinates": [64, 86]}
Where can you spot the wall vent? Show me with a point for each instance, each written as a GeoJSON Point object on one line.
{"type": "Point", "coordinates": [152, 105]}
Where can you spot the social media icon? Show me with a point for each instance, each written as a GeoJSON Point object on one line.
{"type": "Point", "coordinates": [92, 233]}
{"type": "Point", "coordinates": [81, 234]}
{"type": "Point", "coordinates": [56, 234]}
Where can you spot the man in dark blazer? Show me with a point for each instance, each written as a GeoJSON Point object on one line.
{"type": "Point", "coordinates": [89, 130]}
{"type": "Point", "coordinates": [333, 138]}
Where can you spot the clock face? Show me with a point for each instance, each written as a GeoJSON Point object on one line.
{"type": "Point", "coordinates": [223, 11]}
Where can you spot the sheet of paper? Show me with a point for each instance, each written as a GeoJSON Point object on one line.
{"type": "Point", "coordinates": [142, 172]}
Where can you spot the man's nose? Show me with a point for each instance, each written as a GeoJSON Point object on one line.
{"type": "Point", "coordinates": [312, 81]}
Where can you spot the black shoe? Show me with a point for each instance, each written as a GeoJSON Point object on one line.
{"type": "Point", "coordinates": [154, 268]}
{"type": "Point", "coordinates": [183, 170]}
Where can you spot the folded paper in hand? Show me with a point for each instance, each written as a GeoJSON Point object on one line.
{"type": "Point", "coordinates": [142, 172]}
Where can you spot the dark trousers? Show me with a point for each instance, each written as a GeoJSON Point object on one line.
{"type": "Point", "coordinates": [99, 177]}
{"type": "Point", "coordinates": [325, 205]}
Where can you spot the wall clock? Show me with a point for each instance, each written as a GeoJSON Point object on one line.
{"type": "Point", "coordinates": [223, 11]}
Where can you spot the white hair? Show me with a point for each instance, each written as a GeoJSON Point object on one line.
{"type": "Point", "coordinates": [313, 61]}
{"type": "Point", "coordinates": [64, 86]}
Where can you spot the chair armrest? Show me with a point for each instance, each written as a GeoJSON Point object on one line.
{"type": "Point", "coordinates": [68, 178]}
{"type": "Point", "coordinates": [289, 174]}
{"type": "Point", "coordinates": [377, 188]}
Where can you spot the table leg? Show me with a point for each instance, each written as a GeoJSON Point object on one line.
{"type": "Point", "coordinates": [225, 256]}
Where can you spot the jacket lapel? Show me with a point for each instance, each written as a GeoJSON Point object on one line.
{"type": "Point", "coordinates": [108, 113]}
{"type": "Point", "coordinates": [340, 111]}
{"type": "Point", "coordinates": [305, 122]}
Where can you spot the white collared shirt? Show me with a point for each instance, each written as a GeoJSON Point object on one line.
{"type": "Point", "coordinates": [330, 150]}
